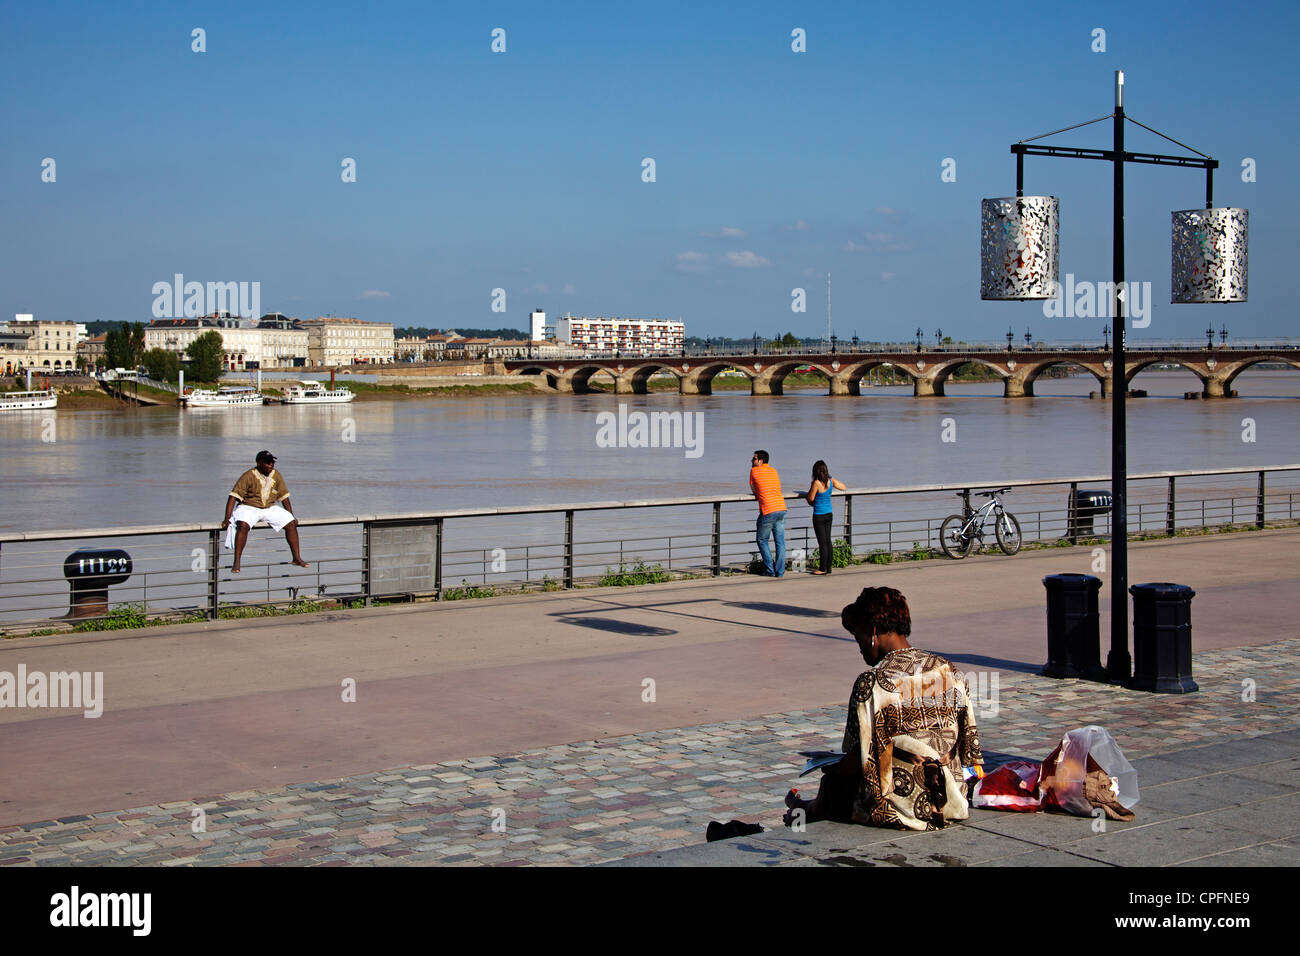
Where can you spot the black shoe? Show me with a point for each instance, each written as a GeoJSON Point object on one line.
{"type": "Point", "coordinates": [725, 831]}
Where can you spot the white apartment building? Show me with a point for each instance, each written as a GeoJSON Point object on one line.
{"type": "Point", "coordinates": [269, 344]}
{"type": "Point", "coordinates": [625, 336]}
{"type": "Point", "coordinates": [344, 341]}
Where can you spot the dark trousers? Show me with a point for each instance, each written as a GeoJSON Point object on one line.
{"type": "Point", "coordinates": [822, 528]}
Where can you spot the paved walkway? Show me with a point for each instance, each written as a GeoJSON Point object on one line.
{"type": "Point", "coordinates": [246, 721]}
{"type": "Point", "coordinates": [597, 801]}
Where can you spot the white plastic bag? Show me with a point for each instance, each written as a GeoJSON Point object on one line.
{"type": "Point", "coordinates": [1066, 767]}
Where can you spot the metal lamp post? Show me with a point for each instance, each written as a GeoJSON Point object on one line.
{"type": "Point", "coordinates": [1209, 336]}
{"type": "Point", "coordinates": [918, 338]}
{"type": "Point", "coordinates": [1223, 335]}
{"type": "Point", "coordinates": [938, 338]}
{"type": "Point", "coordinates": [1011, 336]}
{"type": "Point", "coordinates": [1018, 257]}
{"type": "Point", "coordinates": [1105, 337]}
{"type": "Point", "coordinates": [1029, 338]}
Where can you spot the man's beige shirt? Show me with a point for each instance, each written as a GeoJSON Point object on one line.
{"type": "Point", "coordinates": [260, 491]}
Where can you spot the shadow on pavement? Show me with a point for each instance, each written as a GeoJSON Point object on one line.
{"type": "Point", "coordinates": [791, 609]}
{"type": "Point", "coordinates": [618, 627]}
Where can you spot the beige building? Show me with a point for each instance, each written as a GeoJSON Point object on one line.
{"type": "Point", "coordinates": [344, 341]}
{"type": "Point", "coordinates": [92, 350]}
{"type": "Point", "coordinates": [50, 345]}
{"type": "Point", "coordinates": [271, 343]}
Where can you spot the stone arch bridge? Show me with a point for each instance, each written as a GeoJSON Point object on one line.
{"type": "Point", "coordinates": [927, 370]}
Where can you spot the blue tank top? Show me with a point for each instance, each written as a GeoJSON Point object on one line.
{"type": "Point", "coordinates": [822, 501]}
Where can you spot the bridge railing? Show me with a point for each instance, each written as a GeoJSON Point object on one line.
{"type": "Point", "coordinates": [178, 569]}
{"type": "Point", "coordinates": [1288, 344]}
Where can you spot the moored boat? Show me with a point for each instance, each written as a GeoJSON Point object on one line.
{"type": "Point", "coordinates": [224, 396]}
{"type": "Point", "coordinates": [26, 401]}
{"type": "Point", "coordinates": [307, 392]}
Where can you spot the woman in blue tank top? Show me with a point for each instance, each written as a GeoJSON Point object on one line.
{"type": "Point", "coordinates": [819, 496]}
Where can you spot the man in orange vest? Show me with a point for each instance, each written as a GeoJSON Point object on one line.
{"type": "Point", "coordinates": [766, 486]}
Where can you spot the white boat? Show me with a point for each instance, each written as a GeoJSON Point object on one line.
{"type": "Point", "coordinates": [307, 392]}
{"type": "Point", "coordinates": [23, 401]}
{"type": "Point", "coordinates": [224, 396]}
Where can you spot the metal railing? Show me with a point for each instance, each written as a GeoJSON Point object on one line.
{"type": "Point", "coordinates": [362, 559]}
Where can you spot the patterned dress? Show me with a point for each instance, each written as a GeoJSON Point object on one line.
{"type": "Point", "coordinates": [913, 715]}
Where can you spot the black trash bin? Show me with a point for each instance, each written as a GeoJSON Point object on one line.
{"type": "Point", "coordinates": [90, 573]}
{"type": "Point", "coordinates": [1083, 507]}
{"type": "Point", "coordinates": [1073, 627]}
{"type": "Point", "coordinates": [1162, 638]}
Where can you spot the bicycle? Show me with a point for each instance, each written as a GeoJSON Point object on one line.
{"type": "Point", "coordinates": [959, 533]}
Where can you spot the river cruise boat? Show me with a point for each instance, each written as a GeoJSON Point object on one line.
{"type": "Point", "coordinates": [224, 396]}
{"type": "Point", "coordinates": [308, 392]}
{"type": "Point", "coordinates": [24, 401]}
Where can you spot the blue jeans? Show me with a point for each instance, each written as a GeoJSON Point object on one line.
{"type": "Point", "coordinates": [772, 524]}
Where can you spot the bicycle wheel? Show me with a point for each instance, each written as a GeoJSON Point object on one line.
{"type": "Point", "coordinates": [954, 543]}
{"type": "Point", "coordinates": [1008, 529]}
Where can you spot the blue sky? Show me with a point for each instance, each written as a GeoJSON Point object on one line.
{"type": "Point", "coordinates": [522, 170]}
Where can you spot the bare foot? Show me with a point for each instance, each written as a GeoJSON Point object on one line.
{"type": "Point", "coordinates": [234, 569]}
{"type": "Point", "coordinates": [301, 563]}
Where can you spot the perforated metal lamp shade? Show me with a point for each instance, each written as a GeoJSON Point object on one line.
{"type": "Point", "coordinates": [1209, 255]}
{"type": "Point", "coordinates": [1019, 247]}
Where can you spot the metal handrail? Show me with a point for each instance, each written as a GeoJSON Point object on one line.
{"type": "Point", "coordinates": [402, 517]}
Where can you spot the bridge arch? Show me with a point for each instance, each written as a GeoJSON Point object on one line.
{"type": "Point", "coordinates": [698, 379]}
{"type": "Point", "coordinates": [636, 380]}
{"type": "Point", "coordinates": [1231, 376]}
{"type": "Point", "coordinates": [1037, 371]}
{"type": "Point", "coordinates": [948, 368]}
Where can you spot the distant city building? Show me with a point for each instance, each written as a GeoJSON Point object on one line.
{"type": "Point", "coordinates": [93, 350]}
{"type": "Point", "coordinates": [343, 341]}
{"type": "Point", "coordinates": [275, 341]}
{"type": "Point", "coordinates": [411, 348]}
{"type": "Point", "coordinates": [42, 344]}
{"type": "Point", "coordinates": [538, 329]}
{"type": "Point", "coordinates": [625, 336]}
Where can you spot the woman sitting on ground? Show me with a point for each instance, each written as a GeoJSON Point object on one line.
{"type": "Point", "coordinates": [910, 730]}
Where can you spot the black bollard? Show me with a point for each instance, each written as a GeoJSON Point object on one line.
{"type": "Point", "coordinates": [1073, 627]}
{"type": "Point", "coordinates": [90, 573]}
{"type": "Point", "coordinates": [1083, 507]}
{"type": "Point", "coordinates": [1162, 638]}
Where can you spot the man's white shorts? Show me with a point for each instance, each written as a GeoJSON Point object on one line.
{"type": "Point", "coordinates": [277, 516]}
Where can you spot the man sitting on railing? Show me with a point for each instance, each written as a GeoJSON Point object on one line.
{"type": "Point", "coordinates": [262, 495]}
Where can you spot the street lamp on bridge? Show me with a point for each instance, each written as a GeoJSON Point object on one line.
{"type": "Point", "coordinates": [834, 340]}
{"type": "Point", "coordinates": [1105, 337]}
{"type": "Point", "coordinates": [1209, 336]}
{"type": "Point", "coordinates": [1223, 335]}
{"type": "Point", "coordinates": [1029, 337]}
{"type": "Point", "coordinates": [1010, 338]}
{"type": "Point", "coordinates": [918, 338]}
{"type": "Point", "coordinates": [1020, 260]}
{"type": "Point", "coordinates": [938, 337]}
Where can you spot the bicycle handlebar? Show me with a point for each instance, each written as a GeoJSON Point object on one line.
{"type": "Point", "coordinates": [983, 494]}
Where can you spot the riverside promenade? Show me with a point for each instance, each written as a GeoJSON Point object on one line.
{"type": "Point", "coordinates": [523, 730]}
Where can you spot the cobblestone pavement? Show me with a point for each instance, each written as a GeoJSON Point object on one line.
{"type": "Point", "coordinates": [601, 800]}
